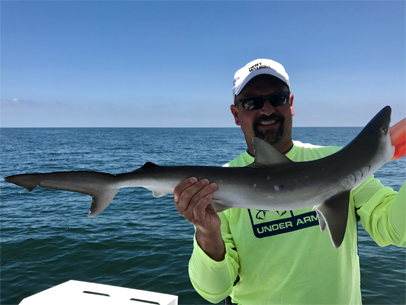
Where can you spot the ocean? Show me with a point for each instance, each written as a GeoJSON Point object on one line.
{"type": "Point", "coordinates": [139, 241]}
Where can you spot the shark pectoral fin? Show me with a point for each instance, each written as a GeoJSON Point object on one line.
{"type": "Point", "coordinates": [101, 201]}
{"type": "Point", "coordinates": [266, 155]}
{"type": "Point", "coordinates": [398, 138]}
{"type": "Point", "coordinates": [333, 213]}
{"type": "Point", "coordinates": [322, 222]}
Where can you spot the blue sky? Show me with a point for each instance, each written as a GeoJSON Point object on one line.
{"type": "Point", "coordinates": [171, 64]}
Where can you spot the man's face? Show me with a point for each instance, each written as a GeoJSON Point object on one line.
{"type": "Point", "coordinates": [272, 124]}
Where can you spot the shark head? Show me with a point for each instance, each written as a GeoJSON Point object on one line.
{"type": "Point", "coordinates": [379, 124]}
{"type": "Point", "coordinates": [375, 137]}
{"type": "Point", "coordinates": [371, 149]}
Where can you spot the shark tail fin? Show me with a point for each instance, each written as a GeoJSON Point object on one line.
{"type": "Point", "coordinates": [28, 182]}
{"type": "Point", "coordinates": [101, 186]}
{"type": "Point", "coordinates": [101, 201]}
{"type": "Point", "coordinates": [333, 214]}
{"type": "Point", "coordinates": [398, 138]}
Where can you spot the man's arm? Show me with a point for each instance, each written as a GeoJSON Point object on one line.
{"type": "Point", "coordinates": [397, 217]}
{"type": "Point", "coordinates": [212, 268]}
{"type": "Point", "coordinates": [192, 198]}
{"type": "Point", "coordinates": [382, 212]}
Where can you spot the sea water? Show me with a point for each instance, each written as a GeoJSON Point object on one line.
{"type": "Point", "coordinates": [139, 241]}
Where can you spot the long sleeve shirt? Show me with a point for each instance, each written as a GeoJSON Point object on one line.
{"type": "Point", "coordinates": [281, 257]}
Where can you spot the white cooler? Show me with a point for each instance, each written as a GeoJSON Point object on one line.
{"type": "Point", "coordinates": [78, 293]}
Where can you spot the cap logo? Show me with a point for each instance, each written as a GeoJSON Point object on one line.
{"type": "Point", "coordinates": [258, 66]}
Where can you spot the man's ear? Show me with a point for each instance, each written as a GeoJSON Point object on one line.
{"type": "Point", "coordinates": [291, 104]}
{"type": "Point", "coordinates": [236, 114]}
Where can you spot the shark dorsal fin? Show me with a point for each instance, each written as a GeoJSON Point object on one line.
{"type": "Point", "coordinates": [266, 155]}
{"type": "Point", "coordinates": [148, 165]}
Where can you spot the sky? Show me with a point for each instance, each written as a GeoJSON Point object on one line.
{"type": "Point", "coordinates": [171, 64]}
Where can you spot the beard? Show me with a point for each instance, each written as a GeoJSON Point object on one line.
{"type": "Point", "coordinates": [271, 136]}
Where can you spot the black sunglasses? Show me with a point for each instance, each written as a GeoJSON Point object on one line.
{"type": "Point", "coordinates": [257, 102]}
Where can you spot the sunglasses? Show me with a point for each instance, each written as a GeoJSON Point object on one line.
{"type": "Point", "coordinates": [257, 102]}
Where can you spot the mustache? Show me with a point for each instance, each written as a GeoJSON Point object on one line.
{"type": "Point", "coordinates": [273, 116]}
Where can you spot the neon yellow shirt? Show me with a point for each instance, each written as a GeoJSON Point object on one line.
{"type": "Point", "coordinates": [281, 257]}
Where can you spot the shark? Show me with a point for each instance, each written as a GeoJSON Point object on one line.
{"type": "Point", "coordinates": [271, 182]}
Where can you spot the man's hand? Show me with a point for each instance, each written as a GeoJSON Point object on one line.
{"type": "Point", "coordinates": [192, 198]}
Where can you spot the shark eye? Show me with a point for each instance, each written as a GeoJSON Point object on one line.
{"type": "Point", "coordinates": [383, 130]}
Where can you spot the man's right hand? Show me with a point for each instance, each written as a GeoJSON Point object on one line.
{"type": "Point", "coordinates": [192, 198]}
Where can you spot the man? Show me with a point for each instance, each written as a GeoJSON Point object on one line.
{"type": "Point", "coordinates": [280, 257]}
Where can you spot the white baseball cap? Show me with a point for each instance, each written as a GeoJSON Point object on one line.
{"type": "Point", "coordinates": [257, 67]}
